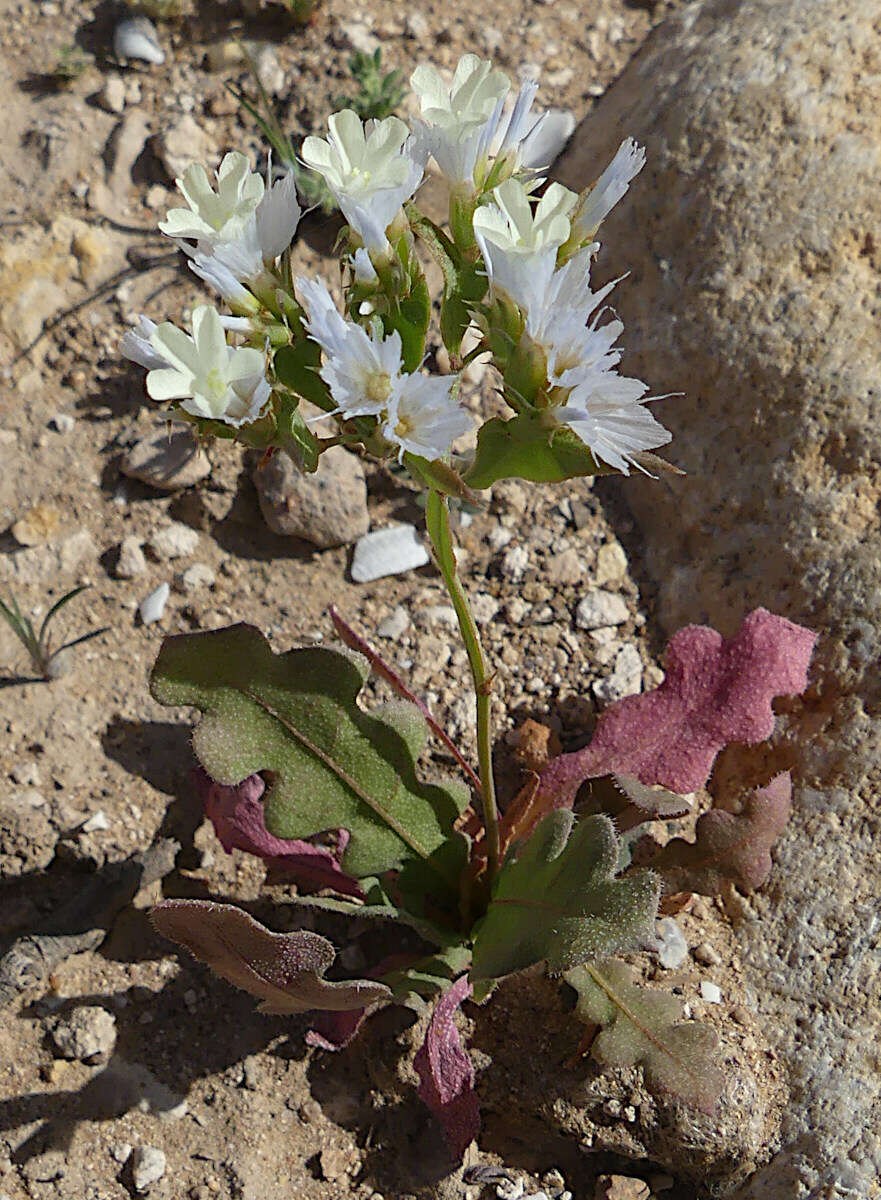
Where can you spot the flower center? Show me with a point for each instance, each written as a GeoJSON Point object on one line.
{"type": "Point", "coordinates": [215, 384]}
{"type": "Point", "coordinates": [404, 427]}
{"type": "Point", "coordinates": [378, 387]}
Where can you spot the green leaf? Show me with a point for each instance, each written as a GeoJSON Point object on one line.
{"type": "Point", "coordinates": [560, 903]}
{"type": "Point", "coordinates": [524, 448]}
{"type": "Point", "coordinates": [297, 367]}
{"type": "Point", "coordinates": [464, 288]}
{"type": "Point", "coordinates": [644, 1027]}
{"type": "Point", "coordinates": [379, 908]}
{"type": "Point", "coordinates": [429, 976]}
{"type": "Point", "coordinates": [438, 475]}
{"type": "Point", "coordinates": [332, 765]}
{"type": "Point", "coordinates": [410, 318]}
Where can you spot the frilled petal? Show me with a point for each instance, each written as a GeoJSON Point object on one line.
{"type": "Point", "coordinates": [136, 345]}
{"type": "Point", "coordinates": [423, 418]}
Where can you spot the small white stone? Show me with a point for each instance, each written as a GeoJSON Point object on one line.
{"type": "Point", "coordinates": [390, 551]}
{"type": "Point", "coordinates": [121, 1152]}
{"type": "Point", "coordinates": [611, 564]}
{"type": "Point", "coordinates": [131, 561]}
{"type": "Point", "coordinates": [196, 577]}
{"type": "Point", "coordinates": [672, 948]}
{"type": "Point", "coordinates": [96, 823]}
{"type": "Point", "coordinates": [416, 26]}
{"type": "Point", "coordinates": [148, 1167]}
{"type": "Point", "coordinates": [153, 605]}
{"type": "Point", "coordinates": [516, 609]}
{"type": "Point", "coordinates": [359, 37]}
{"type": "Point", "coordinates": [484, 607]}
{"type": "Point", "coordinates": [112, 95]}
{"type": "Point", "coordinates": [626, 677]}
{"type": "Point", "coordinates": [710, 992]}
{"type": "Point", "coordinates": [599, 609]}
{"type": "Point", "coordinates": [136, 37]}
{"type": "Point", "coordinates": [438, 614]}
{"type": "Point", "coordinates": [515, 562]}
{"type": "Point", "coordinates": [174, 541]}
{"type": "Point", "coordinates": [394, 625]}
{"type": "Point", "coordinates": [62, 422]}
{"type": "Point", "coordinates": [498, 537]}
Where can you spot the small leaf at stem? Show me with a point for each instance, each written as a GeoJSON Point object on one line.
{"type": "Point", "coordinates": [446, 1074]}
{"type": "Point", "coordinates": [524, 448]}
{"type": "Point", "coordinates": [560, 903]}
{"type": "Point", "coordinates": [644, 1027]}
{"type": "Point", "coordinates": [284, 970]}
{"type": "Point", "coordinates": [297, 368]}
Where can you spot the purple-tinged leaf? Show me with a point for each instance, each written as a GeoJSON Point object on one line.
{"type": "Point", "coordinates": [715, 691]}
{"type": "Point", "coordinates": [644, 1027]}
{"type": "Point", "coordinates": [446, 1073]}
{"type": "Point", "coordinates": [735, 846]}
{"type": "Point", "coordinates": [237, 816]}
{"type": "Point", "coordinates": [335, 1030]}
{"type": "Point", "coordinates": [284, 970]}
{"type": "Point", "coordinates": [355, 642]}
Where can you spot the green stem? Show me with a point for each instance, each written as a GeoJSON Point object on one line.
{"type": "Point", "coordinates": [437, 520]}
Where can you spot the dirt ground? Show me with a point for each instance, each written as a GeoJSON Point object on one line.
{"type": "Point", "coordinates": [92, 766]}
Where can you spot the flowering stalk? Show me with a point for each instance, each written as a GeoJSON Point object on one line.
{"type": "Point", "coordinates": [437, 521]}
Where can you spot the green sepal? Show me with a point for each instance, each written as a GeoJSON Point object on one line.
{"type": "Point", "coordinates": [525, 448]}
{"type": "Point", "coordinates": [525, 374]}
{"type": "Point", "coordinates": [297, 365]}
{"type": "Point", "coordinates": [410, 317]}
{"type": "Point", "coordinates": [295, 437]}
{"type": "Point", "coordinates": [462, 293]}
{"type": "Point", "coordinates": [438, 475]}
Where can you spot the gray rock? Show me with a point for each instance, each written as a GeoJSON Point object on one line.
{"type": "Point", "coordinates": [153, 605]}
{"type": "Point", "coordinates": [626, 677]}
{"type": "Point", "coordinates": [27, 840]}
{"type": "Point", "coordinates": [131, 561]}
{"type": "Point", "coordinates": [112, 96]}
{"type": "Point", "coordinates": [388, 552]}
{"type": "Point", "coordinates": [600, 609]}
{"type": "Point", "coordinates": [88, 1034]}
{"type": "Point", "coordinates": [166, 461]}
{"type": "Point", "coordinates": [174, 541]}
{"type": "Point", "coordinates": [148, 1167]}
{"type": "Point", "coordinates": [752, 240]}
{"type": "Point", "coordinates": [565, 568]}
{"type": "Point", "coordinates": [326, 508]}
{"type": "Point", "coordinates": [182, 143]}
{"type": "Point", "coordinates": [395, 624]}
{"type": "Point", "coordinates": [196, 577]}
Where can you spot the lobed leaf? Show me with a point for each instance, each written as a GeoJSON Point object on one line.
{"type": "Point", "coordinates": [560, 903]}
{"type": "Point", "coordinates": [332, 765]}
{"type": "Point", "coordinates": [643, 1027]}
{"type": "Point", "coordinates": [715, 691]}
{"type": "Point", "coordinates": [735, 846]}
{"type": "Point", "coordinates": [284, 970]}
{"type": "Point", "coordinates": [446, 1075]}
{"type": "Point", "coordinates": [237, 816]}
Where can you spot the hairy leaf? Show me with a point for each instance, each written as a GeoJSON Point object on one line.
{"type": "Point", "coordinates": [735, 846]}
{"type": "Point", "coordinates": [332, 766]}
{"type": "Point", "coordinates": [715, 691]}
{"type": "Point", "coordinates": [284, 970]}
{"type": "Point", "coordinates": [523, 448]}
{"type": "Point", "coordinates": [446, 1074]}
{"type": "Point", "coordinates": [335, 1030]}
{"type": "Point", "coordinates": [237, 816]}
{"type": "Point", "coordinates": [643, 1027]}
{"type": "Point", "coordinates": [559, 902]}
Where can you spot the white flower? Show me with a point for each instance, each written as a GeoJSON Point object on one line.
{"type": "Point", "coordinates": [215, 216]}
{"type": "Point", "coordinates": [210, 378]}
{"type": "Point", "coordinates": [277, 217]}
{"type": "Point", "coordinates": [459, 122]}
{"type": "Point", "coordinates": [519, 244]}
{"type": "Point", "coordinates": [370, 169]}
{"type": "Point", "coordinates": [608, 413]}
{"type": "Point", "coordinates": [360, 370]}
{"type": "Point", "coordinates": [564, 320]}
{"type": "Point", "coordinates": [136, 345]}
{"type": "Point", "coordinates": [423, 417]}
{"type": "Point", "coordinates": [596, 204]}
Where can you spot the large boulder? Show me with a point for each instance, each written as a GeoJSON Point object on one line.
{"type": "Point", "coordinates": [753, 237]}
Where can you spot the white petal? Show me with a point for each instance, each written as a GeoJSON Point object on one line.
{"type": "Point", "coordinates": [278, 215]}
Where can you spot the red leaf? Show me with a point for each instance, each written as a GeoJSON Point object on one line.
{"type": "Point", "coordinates": [334, 1030]}
{"type": "Point", "coordinates": [735, 846]}
{"type": "Point", "coordinates": [715, 691]}
{"type": "Point", "coordinates": [237, 816]}
{"type": "Point", "coordinates": [446, 1074]}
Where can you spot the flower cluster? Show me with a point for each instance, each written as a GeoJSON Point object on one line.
{"type": "Point", "coordinates": [517, 262]}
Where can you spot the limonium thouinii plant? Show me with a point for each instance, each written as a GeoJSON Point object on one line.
{"type": "Point", "coordinates": [292, 769]}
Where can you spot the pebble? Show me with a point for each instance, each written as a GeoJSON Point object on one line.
{"type": "Point", "coordinates": [75, 550]}
{"type": "Point", "coordinates": [97, 823]}
{"type": "Point", "coordinates": [704, 953]}
{"type": "Point", "coordinates": [196, 577]}
{"type": "Point", "coordinates": [484, 607]}
{"type": "Point", "coordinates": [626, 677]}
{"type": "Point", "coordinates": [565, 568]}
{"type": "Point", "coordinates": [121, 1152]}
{"type": "Point", "coordinates": [182, 143]}
{"type": "Point", "coordinates": [112, 95]}
{"type": "Point", "coordinates": [136, 37]}
{"type": "Point", "coordinates": [174, 541]}
{"type": "Point", "coordinates": [390, 551]}
{"type": "Point", "coordinates": [671, 946]}
{"type": "Point", "coordinates": [516, 609]}
{"type": "Point", "coordinates": [62, 423]}
{"type": "Point", "coordinates": [416, 26]}
{"type": "Point", "coordinates": [270, 71]}
{"type": "Point", "coordinates": [88, 1034]}
{"type": "Point", "coordinates": [439, 614]}
{"type": "Point", "coordinates": [166, 461]}
{"type": "Point", "coordinates": [131, 561]}
{"type": "Point", "coordinates": [599, 609]}
{"type": "Point", "coordinates": [621, 1187]}
{"type": "Point", "coordinates": [395, 624]}
{"type": "Point", "coordinates": [611, 564]}
{"type": "Point", "coordinates": [499, 537]}
{"type": "Point", "coordinates": [36, 526]}
{"type": "Point", "coordinates": [327, 507]}
{"type": "Point", "coordinates": [153, 605]}
{"type": "Point", "coordinates": [514, 563]}
{"type": "Point", "coordinates": [710, 992]}
{"type": "Point", "coordinates": [359, 37]}
{"type": "Point", "coordinates": [148, 1167]}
